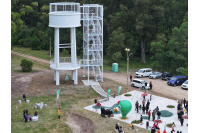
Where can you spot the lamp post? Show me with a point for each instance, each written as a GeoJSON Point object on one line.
{"type": "Point", "coordinates": [127, 49]}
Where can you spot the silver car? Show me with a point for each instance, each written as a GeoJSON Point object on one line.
{"type": "Point", "coordinates": [155, 75]}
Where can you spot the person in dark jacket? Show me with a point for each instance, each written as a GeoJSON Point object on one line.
{"type": "Point", "coordinates": [131, 78]}
{"type": "Point", "coordinates": [184, 102]}
{"type": "Point", "coordinates": [141, 119]}
{"type": "Point", "coordinates": [158, 113]}
{"type": "Point", "coordinates": [26, 111]}
{"type": "Point", "coordinates": [25, 117]}
{"type": "Point", "coordinates": [143, 109]}
{"type": "Point", "coordinates": [24, 97]}
{"type": "Point", "coordinates": [102, 111]}
{"type": "Point", "coordinates": [137, 106]}
{"type": "Point", "coordinates": [147, 108]}
{"type": "Point", "coordinates": [153, 130]}
{"type": "Point", "coordinates": [181, 120]}
{"type": "Point", "coordinates": [117, 127]}
{"type": "Point", "coordinates": [148, 103]}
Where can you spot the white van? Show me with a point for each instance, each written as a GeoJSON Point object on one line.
{"type": "Point", "coordinates": [140, 83]}
{"type": "Point", "coordinates": [143, 72]}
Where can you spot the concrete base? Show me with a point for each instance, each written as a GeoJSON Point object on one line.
{"type": "Point", "coordinates": [161, 102]}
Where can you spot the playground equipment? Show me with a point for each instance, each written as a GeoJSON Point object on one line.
{"type": "Point", "coordinates": [69, 15]}
{"type": "Point", "coordinates": [125, 107]}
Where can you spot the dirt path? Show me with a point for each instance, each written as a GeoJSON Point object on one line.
{"type": "Point", "coordinates": [159, 85]}
{"type": "Point", "coordinates": [31, 58]}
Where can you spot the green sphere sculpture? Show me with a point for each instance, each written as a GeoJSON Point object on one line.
{"type": "Point", "coordinates": [125, 107]}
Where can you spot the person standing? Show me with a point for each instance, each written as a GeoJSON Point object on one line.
{"type": "Point", "coordinates": [147, 108]}
{"type": "Point", "coordinates": [24, 97]}
{"type": "Point", "coordinates": [148, 103]}
{"type": "Point", "coordinates": [59, 113]}
{"type": "Point", "coordinates": [153, 115]}
{"type": "Point", "coordinates": [143, 102]}
{"type": "Point", "coordinates": [184, 102]}
{"type": "Point", "coordinates": [157, 109]}
{"type": "Point", "coordinates": [150, 85]}
{"type": "Point", "coordinates": [158, 113]}
{"type": "Point", "coordinates": [131, 78]}
{"type": "Point", "coordinates": [143, 109]}
{"type": "Point", "coordinates": [25, 117]}
{"type": "Point", "coordinates": [181, 120]}
{"type": "Point", "coordinates": [149, 115]}
{"type": "Point", "coordinates": [173, 127]}
{"type": "Point", "coordinates": [137, 106]}
{"type": "Point", "coordinates": [141, 119]}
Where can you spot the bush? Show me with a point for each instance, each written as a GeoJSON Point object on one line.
{"type": "Point", "coordinates": [136, 121]}
{"type": "Point", "coordinates": [127, 95]}
{"type": "Point", "coordinates": [26, 65]}
{"type": "Point", "coordinates": [170, 125]}
{"type": "Point", "coordinates": [171, 106]}
{"type": "Point", "coordinates": [65, 52]}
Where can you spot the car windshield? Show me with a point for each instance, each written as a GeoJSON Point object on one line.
{"type": "Point", "coordinates": [140, 71]}
{"type": "Point", "coordinates": [154, 73]}
{"type": "Point", "coordinates": [186, 82]}
{"type": "Point", "coordinates": [174, 79]}
{"type": "Point", "coordinates": [143, 82]}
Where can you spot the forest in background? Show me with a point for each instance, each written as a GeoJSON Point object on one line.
{"type": "Point", "coordinates": [154, 28]}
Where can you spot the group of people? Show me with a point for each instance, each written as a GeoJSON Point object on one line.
{"type": "Point", "coordinates": [106, 112]}
{"type": "Point", "coordinates": [180, 111]}
{"type": "Point", "coordinates": [143, 107]}
{"type": "Point", "coordinates": [27, 115]}
{"type": "Point", "coordinates": [119, 128]}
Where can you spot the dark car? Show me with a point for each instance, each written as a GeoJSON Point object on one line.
{"type": "Point", "coordinates": [166, 76]}
{"type": "Point", "coordinates": [177, 80]}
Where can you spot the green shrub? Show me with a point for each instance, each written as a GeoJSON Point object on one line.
{"type": "Point", "coordinates": [26, 65]}
{"type": "Point", "coordinates": [65, 52]}
{"type": "Point", "coordinates": [171, 106]}
{"type": "Point", "coordinates": [136, 121]}
{"type": "Point", "coordinates": [127, 95]}
{"type": "Point", "coordinates": [170, 125]}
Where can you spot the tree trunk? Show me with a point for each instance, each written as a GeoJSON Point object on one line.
{"type": "Point", "coordinates": [108, 37]}
{"type": "Point", "coordinates": [142, 52]}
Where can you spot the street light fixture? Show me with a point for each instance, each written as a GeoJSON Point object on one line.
{"type": "Point", "coordinates": [127, 49]}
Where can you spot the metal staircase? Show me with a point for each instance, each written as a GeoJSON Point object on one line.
{"type": "Point", "coordinates": [92, 16]}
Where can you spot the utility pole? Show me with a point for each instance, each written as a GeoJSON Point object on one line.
{"type": "Point", "coordinates": [50, 46]}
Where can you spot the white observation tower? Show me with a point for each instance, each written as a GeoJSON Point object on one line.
{"type": "Point", "coordinates": [69, 15]}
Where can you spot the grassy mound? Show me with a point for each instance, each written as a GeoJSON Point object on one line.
{"type": "Point", "coordinates": [170, 125]}
{"type": "Point", "coordinates": [136, 121]}
{"type": "Point", "coordinates": [170, 106]}
{"type": "Point", "coordinates": [127, 95]}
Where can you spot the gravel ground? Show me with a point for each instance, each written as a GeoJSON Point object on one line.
{"type": "Point", "coordinates": [159, 86]}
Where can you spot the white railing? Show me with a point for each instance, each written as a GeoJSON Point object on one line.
{"type": "Point", "coordinates": [60, 7]}
{"type": "Point", "coordinates": [66, 62]}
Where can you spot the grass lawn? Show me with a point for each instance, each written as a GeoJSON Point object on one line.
{"type": "Point", "coordinates": [134, 64]}
{"type": "Point", "coordinates": [48, 117]}
{"type": "Point", "coordinates": [16, 68]}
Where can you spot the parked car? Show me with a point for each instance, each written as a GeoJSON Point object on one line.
{"type": "Point", "coordinates": [143, 72]}
{"type": "Point", "coordinates": [166, 76]}
{"type": "Point", "coordinates": [185, 85]}
{"type": "Point", "coordinates": [139, 83]}
{"type": "Point", "coordinates": [177, 80]}
{"type": "Point", "coordinates": [155, 75]}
